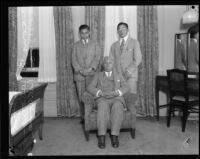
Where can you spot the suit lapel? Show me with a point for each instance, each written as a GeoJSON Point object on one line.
{"type": "Point", "coordinates": [115, 78]}
{"type": "Point", "coordinates": [118, 47]}
{"type": "Point", "coordinates": [100, 79]}
{"type": "Point", "coordinates": [87, 55]}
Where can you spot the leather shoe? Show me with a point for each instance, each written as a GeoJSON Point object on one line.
{"type": "Point", "coordinates": [114, 141]}
{"type": "Point", "coordinates": [101, 141]}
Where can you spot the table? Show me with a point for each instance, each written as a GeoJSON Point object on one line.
{"type": "Point", "coordinates": [162, 85]}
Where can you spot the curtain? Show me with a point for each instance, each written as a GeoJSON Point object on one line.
{"type": "Point", "coordinates": [113, 16]}
{"type": "Point", "coordinates": [12, 28]}
{"type": "Point", "coordinates": [95, 18]}
{"type": "Point", "coordinates": [47, 48]}
{"type": "Point", "coordinates": [24, 32]}
{"type": "Point", "coordinates": [78, 16]}
{"type": "Point", "coordinates": [148, 39]}
{"type": "Point", "coordinates": [67, 102]}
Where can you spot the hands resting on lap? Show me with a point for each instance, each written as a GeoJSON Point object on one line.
{"type": "Point", "coordinates": [109, 94]}
{"type": "Point", "coordinates": [86, 72]}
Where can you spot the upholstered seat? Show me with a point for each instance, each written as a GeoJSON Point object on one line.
{"type": "Point", "coordinates": [90, 116]}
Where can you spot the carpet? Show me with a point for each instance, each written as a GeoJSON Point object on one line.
{"type": "Point", "coordinates": [64, 136]}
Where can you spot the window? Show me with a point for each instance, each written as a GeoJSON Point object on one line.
{"type": "Point", "coordinates": [32, 64]}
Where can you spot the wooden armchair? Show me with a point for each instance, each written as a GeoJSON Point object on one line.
{"type": "Point", "coordinates": [90, 115]}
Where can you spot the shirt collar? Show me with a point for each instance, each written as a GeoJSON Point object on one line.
{"type": "Point", "coordinates": [125, 38]}
{"type": "Point", "coordinates": [108, 73]}
{"type": "Point", "coordinates": [84, 42]}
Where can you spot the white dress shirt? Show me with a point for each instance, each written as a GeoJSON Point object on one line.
{"type": "Point", "coordinates": [85, 41]}
{"type": "Point", "coordinates": [125, 39]}
{"type": "Point", "coordinates": [108, 74]}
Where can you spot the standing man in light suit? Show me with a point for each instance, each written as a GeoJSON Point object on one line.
{"type": "Point", "coordinates": [85, 60]}
{"type": "Point", "coordinates": [127, 56]}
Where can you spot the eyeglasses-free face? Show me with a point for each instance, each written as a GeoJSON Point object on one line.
{"type": "Point", "coordinates": [122, 31]}
{"type": "Point", "coordinates": [84, 34]}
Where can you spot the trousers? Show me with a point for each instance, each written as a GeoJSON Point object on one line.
{"type": "Point", "coordinates": [81, 87]}
{"type": "Point", "coordinates": [109, 110]}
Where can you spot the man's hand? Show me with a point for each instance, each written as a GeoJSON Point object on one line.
{"type": "Point", "coordinates": [86, 72]}
{"type": "Point", "coordinates": [108, 94]}
{"type": "Point", "coordinates": [92, 72]}
{"type": "Point", "coordinates": [127, 74]}
{"type": "Point", "coordinates": [100, 94]}
{"type": "Point", "coordinates": [116, 93]}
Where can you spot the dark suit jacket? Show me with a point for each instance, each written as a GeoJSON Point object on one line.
{"type": "Point", "coordinates": [97, 84]}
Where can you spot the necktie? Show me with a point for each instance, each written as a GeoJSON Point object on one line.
{"type": "Point", "coordinates": [122, 45]}
{"type": "Point", "coordinates": [84, 42]}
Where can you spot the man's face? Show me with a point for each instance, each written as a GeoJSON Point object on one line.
{"type": "Point", "coordinates": [84, 33]}
{"type": "Point", "coordinates": [122, 31]}
{"type": "Point", "coordinates": [108, 65]}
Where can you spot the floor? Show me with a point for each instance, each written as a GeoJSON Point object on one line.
{"type": "Point", "coordinates": [63, 136]}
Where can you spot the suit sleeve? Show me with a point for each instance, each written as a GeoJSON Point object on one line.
{"type": "Point", "coordinates": [97, 57]}
{"type": "Point", "coordinates": [75, 63]}
{"type": "Point", "coordinates": [137, 58]}
{"type": "Point", "coordinates": [92, 87]}
{"type": "Point", "coordinates": [113, 56]}
{"type": "Point", "coordinates": [123, 85]}
{"type": "Point", "coordinates": [111, 53]}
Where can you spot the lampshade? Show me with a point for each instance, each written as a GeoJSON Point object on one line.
{"type": "Point", "coordinates": [190, 16]}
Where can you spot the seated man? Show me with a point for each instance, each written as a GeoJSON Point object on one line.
{"type": "Point", "coordinates": [108, 87]}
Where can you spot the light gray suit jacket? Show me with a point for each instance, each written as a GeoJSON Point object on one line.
{"type": "Point", "coordinates": [84, 57]}
{"type": "Point", "coordinates": [128, 59]}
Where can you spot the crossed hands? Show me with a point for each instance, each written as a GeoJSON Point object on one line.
{"type": "Point", "coordinates": [127, 74]}
{"type": "Point", "coordinates": [86, 72]}
{"type": "Point", "coordinates": [108, 94]}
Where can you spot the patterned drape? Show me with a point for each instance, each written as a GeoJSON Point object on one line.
{"type": "Point", "coordinates": [12, 27]}
{"type": "Point", "coordinates": [95, 18]}
{"type": "Point", "coordinates": [148, 38]}
{"type": "Point", "coordinates": [67, 103]}
{"type": "Point", "coordinates": [25, 17]}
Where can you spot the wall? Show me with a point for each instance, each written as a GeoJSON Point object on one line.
{"type": "Point", "coordinates": [169, 23]}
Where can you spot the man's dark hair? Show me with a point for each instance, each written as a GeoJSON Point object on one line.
{"type": "Point", "coordinates": [122, 23]}
{"type": "Point", "coordinates": [84, 26]}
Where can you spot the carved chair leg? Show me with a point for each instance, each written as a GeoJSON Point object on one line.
{"type": "Point", "coordinates": [40, 131]}
{"type": "Point", "coordinates": [87, 135]}
{"type": "Point", "coordinates": [132, 131]}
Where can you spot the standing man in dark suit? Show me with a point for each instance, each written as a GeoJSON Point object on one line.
{"type": "Point", "coordinates": [85, 60]}
{"type": "Point", "coordinates": [127, 56]}
{"type": "Point", "coordinates": [108, 87]}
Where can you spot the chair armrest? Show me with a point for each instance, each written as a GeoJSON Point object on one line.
{"type": "Point", "coordinates": [88, 99]}
{"type": "Point", "coordinates": [131, 102]}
